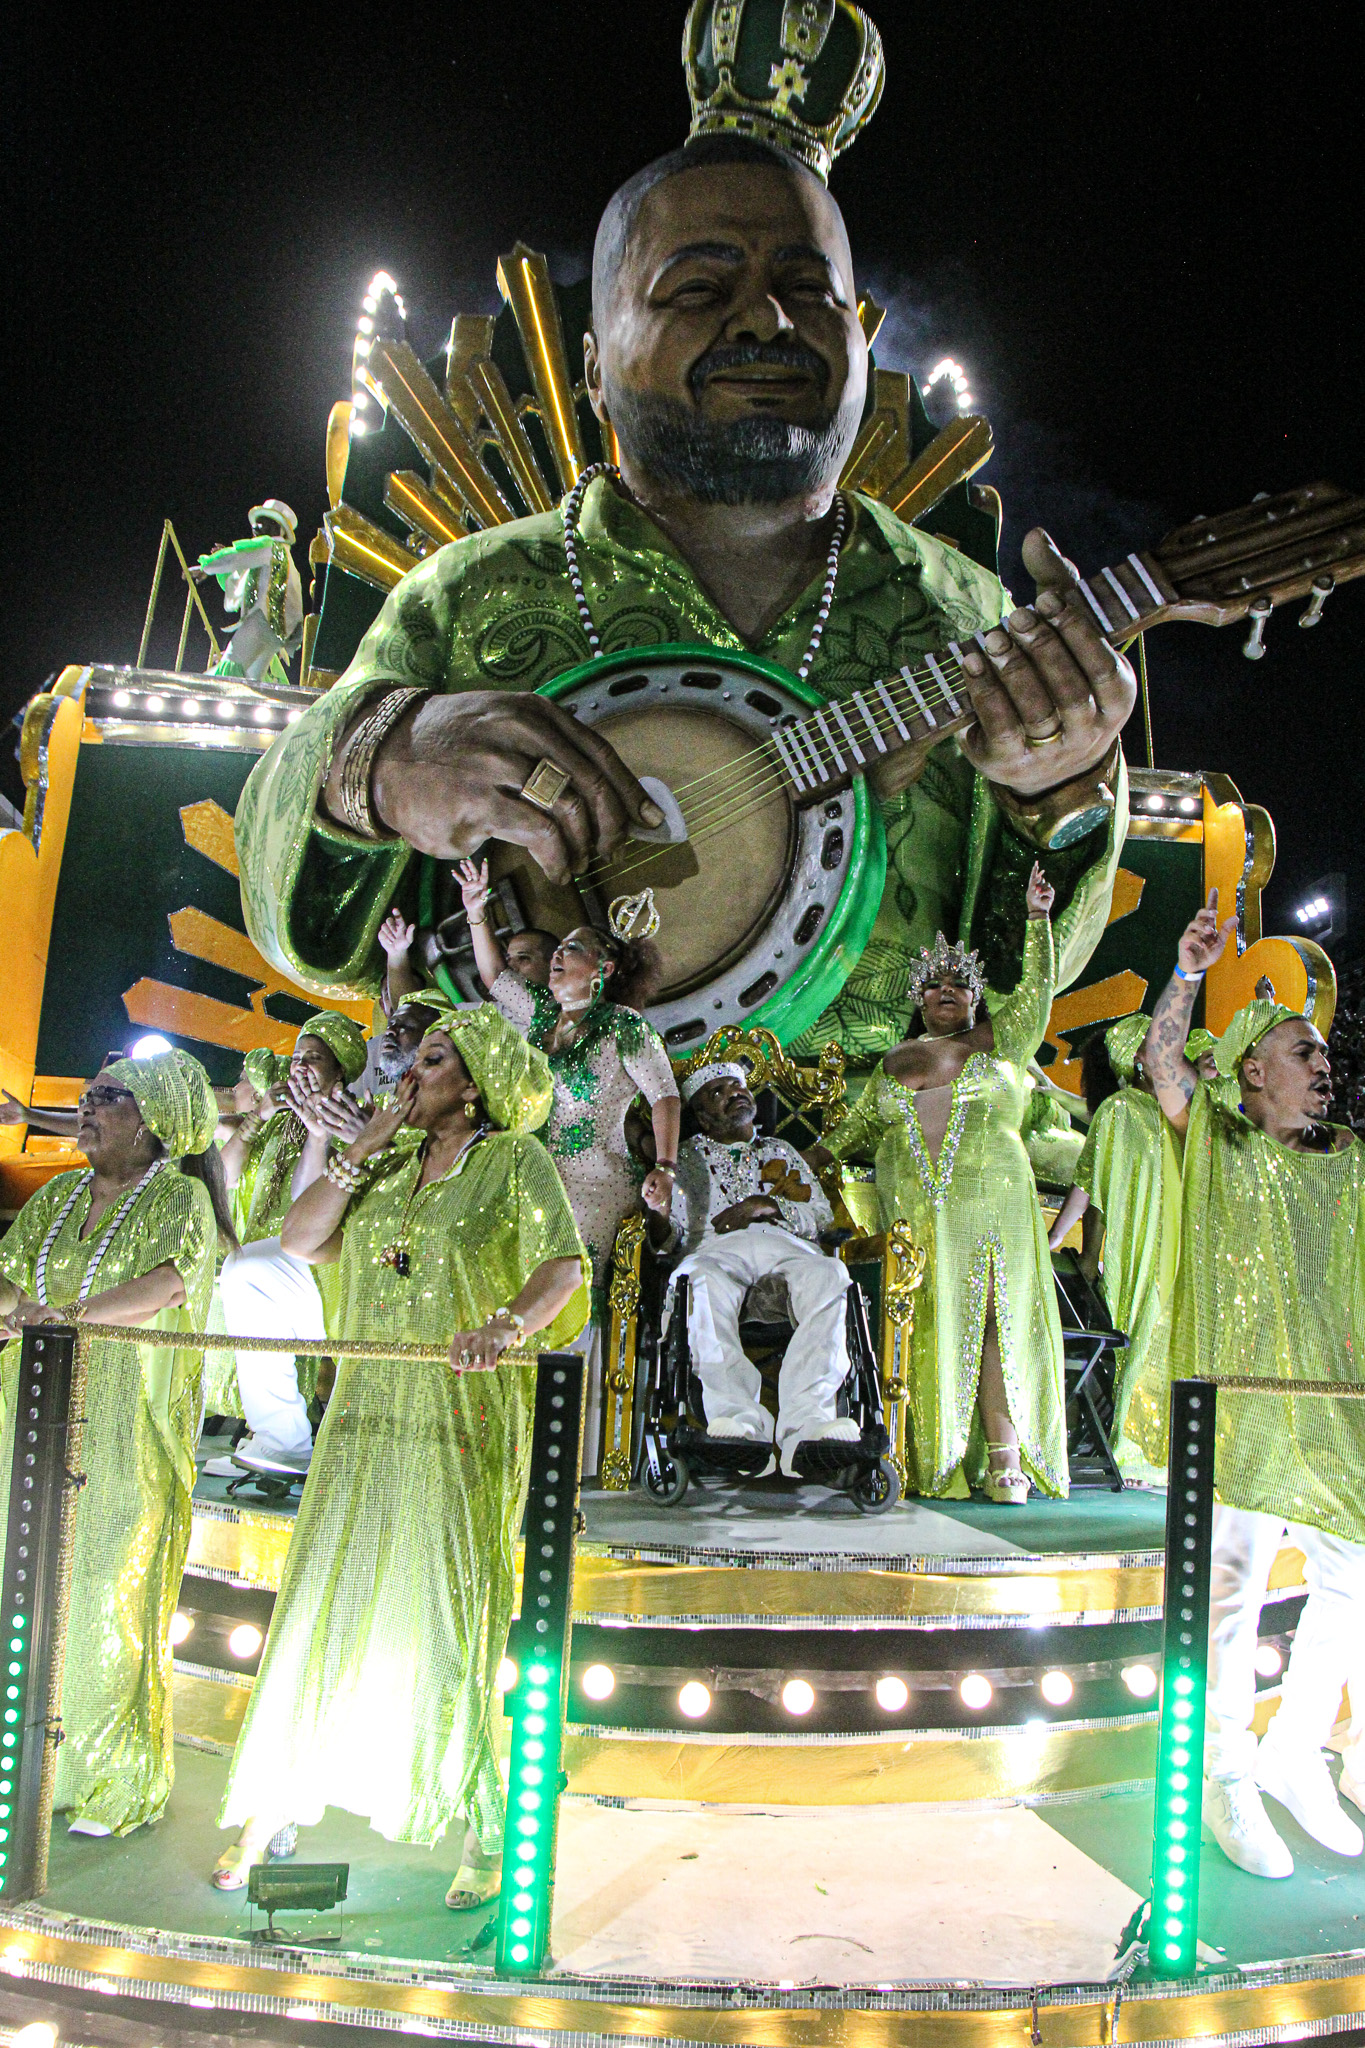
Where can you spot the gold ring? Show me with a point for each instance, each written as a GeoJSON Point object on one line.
{"type": "Point", "coordinates": [1044, 739]}
{"type": "Point", "coordinates": [545, 784]}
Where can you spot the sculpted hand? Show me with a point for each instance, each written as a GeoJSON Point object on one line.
{"type": "Point", "coordinates": [451, 774]}
{"type": "Point", "coordinates": [1053, 695]}
{"type": "Point", "coordinates": [1203, 939]}
{"type": "Point", "coordinates": [396, 935]}
{"type": "Point", "coordinates": [1040, 894]}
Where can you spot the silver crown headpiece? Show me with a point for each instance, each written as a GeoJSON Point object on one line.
{"type": "Point", "coordinates": [634, 917]}
{"type": "Point", "coordinates": [942, 961]}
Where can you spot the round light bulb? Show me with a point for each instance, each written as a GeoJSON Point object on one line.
{"type": "Point", "coordinates": [599, 1681]}
{"type": "Point", "coordinates": [181, 1627]}
{"type": "Point", "coordinates": [122, 699]}
{"type": "Point", "coordinates": [37, 2034]}
{"type": "Point", "coordinates": [190, 707]}
{"type": "Point", "coordinates": [976, 1691]}
{"type": "Point", "coordinates": [1056, 1688]}
{"type": "Point", "coordinates": [892, 1695]}
{"type": "Point", "coordinates": [797, 1696]}
{"type": "Point", "coordinates": [261, 716]}
{"type": "Point", "coordinates": [694, 1699]}
{"type": "Point", "coordinates": [225, 708]}
{"type": "Point", "coordinates": [156, 704]}
{"type": "Point", "coordinates": [245, 1640]}
{"type": "Point", "coordinates": [507, 1676]}
{"type": "Point", "coordinates": [148, 1046]}
{"type": "Point", "coordinates": [1269, 1662]}
{"type": "Point", "coordinates": [1140, 1680]}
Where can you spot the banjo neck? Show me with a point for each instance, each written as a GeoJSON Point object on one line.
{"type": "Point", "coordinates": [1212, 572]}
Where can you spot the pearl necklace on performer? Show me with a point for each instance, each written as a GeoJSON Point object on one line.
{"type": "Point", "coordinates": [573, 505]}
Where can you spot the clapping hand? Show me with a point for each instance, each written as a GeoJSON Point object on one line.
{"type": "Point", "coordinates": [326, 1113]}
{"type": "Point", "coordinates": [396, 936]}
{"type": "Point", "coordinates": [1040, 894]}
{"type": "Point", "coordinates": [1203, 939]}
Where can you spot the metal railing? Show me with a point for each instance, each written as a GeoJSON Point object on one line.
{"type": "Point", "coordinates": [35, 1587]}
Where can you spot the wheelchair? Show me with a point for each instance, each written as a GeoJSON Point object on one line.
{"type": "Point", "coordinates": [676, 1445]}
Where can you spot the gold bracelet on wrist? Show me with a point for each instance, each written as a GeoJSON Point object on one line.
{"type": "Point", "coordinates": [507, 1315]}
{"type": "Point", "coordinates": [357, 767]}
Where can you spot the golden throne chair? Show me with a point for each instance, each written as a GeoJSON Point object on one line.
{"type": "Point", "coordinates": [807, 1100]}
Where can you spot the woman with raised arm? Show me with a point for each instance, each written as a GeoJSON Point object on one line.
{"type": "Point", "coordinates": [942, 1115]}
{"type": "Point", "coordinates": [129, 1239]}
{"type": "Point", "coordinates": [1271, 1285]}
{"type": "Point", "coordinates": [602, 1054]}
{"type": "Point", "coordinates": [375, 1691]}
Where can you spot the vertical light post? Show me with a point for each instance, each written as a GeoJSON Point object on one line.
{"type": "Point", "coordinates": [1173, 1931]}
{"type": "Point", "coordinates": [539, 1696]}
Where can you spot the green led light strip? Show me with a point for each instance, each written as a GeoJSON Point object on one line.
{"type": "Point", "coordinates": [1173, 1931]}
{"type": "Point", "coordinates": [534, 1777]}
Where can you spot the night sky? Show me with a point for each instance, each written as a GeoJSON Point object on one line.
{"type": "Point", "coordinates": [1132, 224]}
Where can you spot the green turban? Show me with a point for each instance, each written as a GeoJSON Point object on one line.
{"type": "Point", "coordinates": [263, 1069]}
{"type": "Point", "coordinates": [512, 1077]}
{"type": "Point", "coordinates": [1248, 1028]}
{"type": "Point", "coordinates": [1123, 1043]}
{"type": "Point", "coordinates": [1198, 1043]}
{"type": "Point", "coordinates": [343, 1039]}
{"type": "Point", "coordinates": [174, 1097]}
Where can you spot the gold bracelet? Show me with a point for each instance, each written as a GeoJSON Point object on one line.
{"type": "Point", "coordinates": [357, 767]}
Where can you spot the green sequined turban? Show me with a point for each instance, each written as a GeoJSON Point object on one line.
{"type": "Point", "coordinates": [343, 1039]}
{"type": "Point", "coordinates": [174, 1098]}
{"type": "Point", "coordinates": [1247, 1028]}
{"type": "Point", "coordinates": [1123, 1043]}
{"type": "Point", "coordinates": [263, 1069]}
{"type": "Point", "coordinates": [512, 1077]}
{"type": "Point", "coordinates": [1198, 1043]}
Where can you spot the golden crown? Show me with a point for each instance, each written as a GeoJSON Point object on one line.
{"type": "Point", "coordinates": [803, 74]}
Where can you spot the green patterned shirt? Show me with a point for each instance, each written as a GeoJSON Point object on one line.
{"type": "Point", "coordinates": [496, 612]}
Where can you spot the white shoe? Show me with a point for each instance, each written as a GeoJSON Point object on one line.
{"type": "Point", "coordinates": [840, 1429]}
{"type": "Point", "coordinates": [88, 1827]}
{"type": "Point", "coordinates": [732, 1430]}
{"type": "Point", "coordinates": [1302, 1784]}
{"type": "Point", "coordinates": [253, 1456]}
{"type": "Point", "coordinates": [222, 1468]}
{"type": "Point", "coordinates": [1235, 1817]}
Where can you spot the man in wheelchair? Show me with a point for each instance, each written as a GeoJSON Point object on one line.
{"type": "Point", "coordinates": [747, 1210]}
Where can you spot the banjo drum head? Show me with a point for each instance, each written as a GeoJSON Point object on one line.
{"type": "Point", "coordinates": [764, 906]}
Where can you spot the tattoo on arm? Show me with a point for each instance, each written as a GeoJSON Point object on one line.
{"type": "Point", "coordinates": [1169, 1071]}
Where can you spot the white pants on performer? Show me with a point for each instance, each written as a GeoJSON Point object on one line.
{"type": "Point", "coordinates": [267, 1292]}
{"type": "Point", "coordinates": [1326, 1642]}
{"type": "Point", "coordinates": [720, 1273]}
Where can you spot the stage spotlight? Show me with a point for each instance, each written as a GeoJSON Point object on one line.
{"type": "Point", "coordinates": [694, 1700]}
{"type": "Point", "coordinates": [190, 707]}
{"type": "Point", "coordinates": [122, 699]}
{"type": "Point", "coordinates": [156, 704]}
{"type": "Point", "coordinates": [1140, 1680]}
{"type": "Point", "coordinates": [181, 1627]}
{"type": "Point", "coordinates": [797, 1696]}
{"type": "Point", "coordinates": [1056, 1688]}
{"type": "Point", "coordinates": [226, 708]}
{"type": "Point", "coordinates": [976, 1691]}
{"type": "Point", "coordinates": [892, 1695]}
{"type": "Point", "coordinates": [1269, 1662]}
{"type": "Point", "coordinates": [37, 2034]}
{"type": "Point", "coordinates": [245, 1640]}
{"type": "Point", "coordinates": [291, 717]}
{"type": "Point", "coordinates": [148, 1046]}
{"type": "Point", "coordinates": [507, 1676]}
{"type": "Point", "coordinates": [1189, 805]}
{"type": "Point", "coordinates": [599, 1681]}
{"type": "Point", "coordinates": [1156, 803]}
{"type": "Point", "coordinates": [261, 715]}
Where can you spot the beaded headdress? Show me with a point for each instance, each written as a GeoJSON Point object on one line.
{"type": "Point", "coordinates": [716, 1070]}
{"type": "Point", "coordinates": [941, 961]}
{"type": "Point", "coordinates": [634, 917]}
{"type": "Point", "coordinates": [805, 75]}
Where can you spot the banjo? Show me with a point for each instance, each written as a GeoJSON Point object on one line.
{"type": "Point", "coordinates": [769, 867]}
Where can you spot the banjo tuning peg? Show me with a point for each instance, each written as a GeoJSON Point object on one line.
{"type": "Point", "coordinates": [1254, 645]}
{"type": "Point", "coordinates": [1323, 586]}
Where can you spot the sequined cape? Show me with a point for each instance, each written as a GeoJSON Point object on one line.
{"type": "Point", "coordinates": [977, 1214]}
{"type": "Point", "coordinates": [133, 1521]}
{"type": "Point", "coordinates": [614, 1057]}
{"type": "Point", "coordinates": [375, 1691]}
{"type": "Point", "coordinates": [261, 1199]}
{"type": "Point", "coordinates": [1130, 1168]}
{"type": "Point", "coordinates": [1272, 1282]}
{"type": "Point", "coordinates": [496, 612]}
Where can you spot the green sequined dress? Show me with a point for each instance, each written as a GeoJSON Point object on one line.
{"type": "Point", "coordinates": [1272, 1283]}
{"type": "Point", "coordinates": [976, 1213]}
{"type": "Point", "coordinates": [133, 1521]}
{"type": "Point", "coordinates": [1130, 1168]}
{"type": "Point", "coordinates": [375, 1689]}
{"type": "Point", "coordinates": [614, 1057]}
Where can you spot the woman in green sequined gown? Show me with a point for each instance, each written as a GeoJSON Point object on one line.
{"type": "Point", "coordinates": [138, 1239]}
{"type": "Point", "coordinates": [375, 1690]}
{"type": "Point", "coordinates": [942, 1115]}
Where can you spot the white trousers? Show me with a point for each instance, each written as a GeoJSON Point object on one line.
{"type": "Point", "coordinates": [267, 1292]}
{"type": "Point", "coordinates": [720, 1273]}
{"type": "Point", "coordinates": [1327, 1642]}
